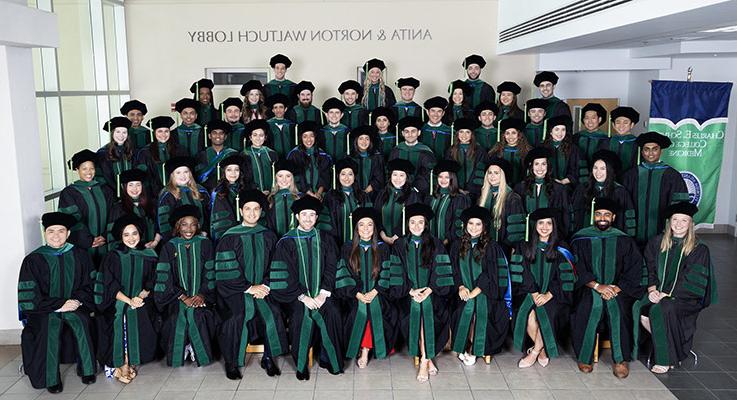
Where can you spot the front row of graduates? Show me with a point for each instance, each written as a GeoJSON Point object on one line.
{"type": "Point", "coordinates": [300, 292]}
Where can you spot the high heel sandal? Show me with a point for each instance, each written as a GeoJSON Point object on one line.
{"type": "Point", "coordinates": [423, 377]}
{"type": "Point", "coordinates": [431, 368]}
{"type": "Point", "coordinates": [120, 376]}
{"type": "Point", "coordinates": [527, 364]}
{"type": "Point", "coordinates": [543, 361]}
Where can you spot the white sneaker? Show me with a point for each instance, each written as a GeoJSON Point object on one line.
{"type": "Point", "coordinates": [469, 359]}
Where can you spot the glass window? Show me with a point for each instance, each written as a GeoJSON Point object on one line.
{"type": "Point", "coordinates": [76, 57]}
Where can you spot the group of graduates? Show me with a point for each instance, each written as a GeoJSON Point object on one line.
{"type": "Point", "coordinates": [362, 227]}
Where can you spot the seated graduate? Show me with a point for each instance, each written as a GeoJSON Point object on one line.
{"type": "Point", "coordinates": [181, 189]}
{"type": "Point", "coordinates": [259, 157]}
{"type": "Point", "coordinates": [406, 105]}
{"type": "Point", "coordinates": [302, 282]}
{"type": "Point", "coordinates": [375, 91]}
{"type": "Point", "coordinates": [680, 284]}
{"type": "Point", "coordinates": [89, 202]}
{"type": "Point", "coordinates": [312, 163]}
{"type": "Point", "coordinates": [508, 108]}
{"type": "Point", "coordinates": [341, 201]}
{"type": "Point", "coordinates": [366, 152]}
{"type": "Point", "coordinates": [128, 336]}
{"type": "Point", "coordinates": [608, 271]}
{"type": "Point", "coordinates": [564, 159]}
{"type": "Point", "coordinates": [539, 190]}
{"type": "Point", "coordinates": [116, 156]}
{"type": "Point", "coordinates": [185, 291]}
{"type": "Point", "coordinates": [602, 183]}
{"type": "Point", "coordinates": [242, 263]}
{"type": "Point", "coordinates": [253, 101]}
{"type": "Point", "coordinates": [207, 169]}
{"type": "Point", "coordinates": [135, 110]}
{"type": "Point", "coordinates": [362, 282]}
{"type": "Point", "coordinates": [486, 134]}
{"type": "Point", "coordinates": [421, 278]}
{"type": "Point", "coordinates": [447, 202]}
{"type": "Point", "coordinates": [545, 81]}
{"type": "Point", "coordinates": [354, 114]}
{"type": "Point", "coordinates": [466, 152]}
{"type": "Point", "coordinates": [512, 147]}
{"type": "Point", "coordinates": [55, 304]}
{"type": "Point", "coordinates": [334, 133]}
{"type": "Point", "coordinates": [135, 201]}
{"type": "Point", "coordinates": [480, 90]}
{"type": "Point", "coordinates": [480, 319]}
{"type": "Point", "coordinates": [623, 142]}
{"type": "Point", "coordinates": [224, 198]}
{"type": "Point", "coordinates": [419, 155]}
{"type": "Point", "coordinates": [392, 200]}
{"type": "Point", "coordinates": [189, 135]}
{"type": "Point", "coordinates": [283, 131]}
{"type": "Point", "coordinates": [231, 113]}
{"type": "Point", "coordinates": [206, 111]}
{"type": "Point", "coordinates": [591, 138]}
{"type": "Point", "coordinates": [459, 102]}
{"type": "Point", "coordinates": [280, 84]}
{"type": "Point", "coordinates": [283, 194]}
{"type": "Point", "coordinates": [535, 129]}
{"type": "Point", "coordinates": [304, 110]}
{"type": "Point", "coordinates": [542, 275]}
{"type": "Point", "coordinates": [435, 133]}
{"type": "Point", "coordinates": [152, 158]}
{"type": "Point", "coordinates": [385, 122]}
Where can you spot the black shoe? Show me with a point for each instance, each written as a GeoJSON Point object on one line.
{"type": "Point", "coordinates": [303, 376]}
{"type": "Point", "coordinates": [270, 366]}
{"type": "Point", "coordinates": [89, 379]}
{"type": "Point", "coordinates": [58, 388]}
{"type": "Point", "coordinates": [232, 372]}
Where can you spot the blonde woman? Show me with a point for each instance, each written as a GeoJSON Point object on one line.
{"type": "Point", "coordinates": [180, 190]}
{"type": "Point", "coordinates": [505, 206]}
{"type": "Point", "coordinates": [283, 194]}
{"type": "Point", "coordinates": [375, 91]}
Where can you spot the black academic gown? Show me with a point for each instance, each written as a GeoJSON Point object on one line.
{"type": "Point", "coordinates": [609, 258]}
{"type": "Point", "coordinates": [191, 139]}
{"type": "Point", "coordinates": [314, 170]}
{"type": "Point", "coordinates": [339, 205]}
{"type": "Point", "coordinates": [545, 196]}
{"type": "Point", "coordinates": [283, 135]}
{"type": "Point", "coordinates": [335, 140]}
{"type": "Point", "coordinates": [371, 94]}
{"type": "Point", "coordinates": [392, 218]}
{"type": "Point", "coordinates": [186, 267]}
{"type": "Point", "coordinates": [90, 204]}
{"type": "Point", "coordinates": [208, 171]}
{"type": "Point", "coordinates": [156, 177]}
{"type": "Point", "coordinates": [305, 264]}
{"type": "Point", "coordinates": [126, 331]}
{"type": "Point", "coordinates": [556, 107]}
{"type": "Point", "coordinates": [279, 217]}
{"type": "Point", "coordinates": [118, 211]}
{"type": "Point", "coordinates": [167, 203]}
{"type": "Point", "coordinates": [581, 211]}
{"type": "Point", "coordinates": [422, 158]}
{"type": "Point", "coordinates": [259, 168]}
{"type": "Point", "coordinates": [562, 165]}
{"type": "Point", "coordinates": [223, 210]}
{"type": "Point", "coordinates": [48, 278]}
{"type": "Point", "coordinates": [437, 138]}
{"type": "Point", "coordinates": [109, 170]}
{"type": "Point", "coordinates": [482, 91]}
{"type": "Point", "coordinates": [285, 87]}
{"type": "Point", "coordinates": [470, 166]}
{"type": "Point", "coordinates": [140, 136]}
{"type": "Point", "coordinates": [625, 146]}
{"type": "Point", "coordinates": [355, 116]}
{"type": "Point", "coordinates": [206, 113]}
{"type": "Point", "coordinates": [486, 313]}
{"type": "Point", "coordinates": [509, 228]}
{"type": "Point", "coordinates": [380, 318]}
{"type": "Point", "coordinates": [300, 114]}
{"type": "Point", "coordinates": [447, 225]}
{"type": "Point", "coordinates": [411, 109]}
{"type": "Point", "coordinates": [370, 172]}
{"type": "Point", "coordinates": [243, 259]}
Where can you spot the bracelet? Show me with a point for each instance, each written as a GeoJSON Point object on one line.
{"type": "Point", "coordinates": [596, 285]}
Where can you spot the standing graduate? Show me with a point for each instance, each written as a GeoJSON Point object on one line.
{"type": "Point", "coordinates": [371, 321]}
{"type": "Point", "coordinates": [135, 110]}
{"type": "Point", "coordinates": [283, 194]}
{"type": "Point", "coordinates": [540, 190]}
{"type": "Point", "coordinates": [391, 201]}
{"type": "Point", "coordinates": [480, 319]}
{"type": "Point", "coordinates": [564, 158]}
{"type": "Point", "coordinates": [302, 282]}
{"type": "Point", "coordinates": [152, 158]}
{"type": "Point", "coordinates": [312, 163]}
{"type": "Point", "coordinates": [680, 284]}
{"type": "Point", "coordinates": [542, 275]}
{"type": "Point", "coordinates": [423, 276]}
{"type": "Point", "coordinates": [185, 291]}
{"type": "Point", "coordinates": [283, 131]}
{"type": "Point", "coordinates": [512, 147]}
{"type": "Point", "coordinates": [466, 152]}
{"type": "Point", "coordinates": [418, 154]}
{"type": "Point", "coordinates": [609, 271]}
{"type": "Point", "coordinates": [190, 135]}
{"type": "Point", "coordinates": [206, 111]}
{"type": "Point", "coordinates": [591, 138]}
{"type": "Point", "coordinates": [334, 133]}
{"type": "Point", "coordinates": [181, 189]}
{"type": "Point", "coordinates": [492, 192]}
{"type": "Point", "coordinates": [231, 110]}
{"type": "Point", "coordinates": [602, 183]}
{"type": "Point", "coordinates": [508, 108]}
{"type": "Point", "coordinates": [116, 156]}
{"type": "Point", "coordinates": [480, 90]}
{"type": "Point", "coordinates": [54, 296]}
{"type": "Point", "coordinates": [447, 202]}
{"type": "Point", "coordinates": [406, 106]}
{"type": "Point", "coordinates": [242, 264]}
{"type": "Point", "coordinates": [89, 202]}
{"type": "Point", "coordinates": [207, 169]}
{"type": "Point", "coordinates": [459, 104]}
{"type": "Point", "coordinates": [653, 186]}
{"type": "Point", "coordinates": [354, 115]}
{"type": "Point", "coordinates": [224, 199]}
{"type": "Point", "coordinates": [304, 110]}
{"type": "Point", "coordinates": [486, 134]}
{"type": "Point", "coordinates": [253, 101]}
{"type": "Point", "coordinates": [280, 84]}
{"type": "Point", "coordinates": [535, 129]}
{"type": "Point", "coordinates": [260, 159]}
{"type": "Point", "coordinates": [545, 81]}
{"type": "Point", "coordinates": [375, 91]}
{"type": "Point", "coordinates": [125, 281]}
{"type": "Point", "coordinates": [134, 200]}
{"type": "Point", "coordinates": [343, 199]}
{"type": "Point", "coordinates": [623, 142]}
{"type": "Point", "coordinates": [385, 122]}
{"type": "Point", "coordinates": [435, 133]}
{"type": "Point", "coordinates": [366, 152]}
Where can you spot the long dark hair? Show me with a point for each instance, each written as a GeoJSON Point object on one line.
{"type": "Point", "coordinates": [530, 181]}
{"type": "Point", "coordinates": [406, 190]}
{"type": "Point", "coordinates": [514, 110]}
{"type": "Point", "coordinates": [529, 248]}
{"type": "Point", "coordinates": [357, 192]}
{"type": "Point", "coordinates": [523, 146]}
{"type": "Point", "coordinates": [478, 251]}
{"type": "Point", "coordinates": [143, 201]}
{"type": "Point", "coordinates": [566, 144]}
{"type": "Point", "coordinates": [223, 186]}
{"type": "Point", "coordinates": [452, 186]}
{"type": "Point", "coordinates": [112, 155]}
{"type": "Point", "coordinates": [171, 147]}
{"type": "Point", "coordinates": [354, 148]}
{"type": "Point", "coordinates": [354, 259]}
{"type": "Point", "coordinates": [455, 149]}
{"type": "Point", "coordinates": [428, 246]}
{"type": "Point", "coordinates": [609, 183]}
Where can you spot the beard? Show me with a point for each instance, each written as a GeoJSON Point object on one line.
{"type": "Point", "coordinates": [602, 225]}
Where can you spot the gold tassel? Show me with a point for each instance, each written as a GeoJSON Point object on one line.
{"type": "Point", "coordinates": [396, 134]}
{"type": "Point", "coordinates": [432, 184]}
{"type": "Point", "coordinates": [498, 131]}
{"type": "Point", "coordinates": [150, 131]}
{"type": "Point", "coordinates": [404, 225]}
{"type": "Point", "coordinates": [545, 129]}
{"type": "Point", "coordinates": [452, 132]}
{"type": "Point", "coordinates": [273, 175]}
{"type": "Point", "coordinates": [237, 205]}
{"type": "Point", "coordinates": [117, 179]}
{"type": "Point", "coordinates": [527, 227]}
{"type": "Point", "coordinates": [334, 187]}
{"type": "Point", "coordinates": [350, 225]}
{"type": "Point", "coordinates": [609, 126]}
{"type": "Point", "coordinates": [204, 136]}
{"type": "Point", "coordinates": [591, 222]}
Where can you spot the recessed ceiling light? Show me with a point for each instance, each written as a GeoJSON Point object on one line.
{"type": "Point", "coordinates": [732, 28]}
